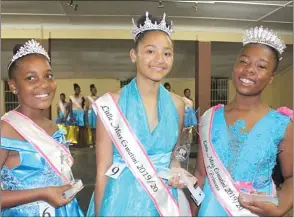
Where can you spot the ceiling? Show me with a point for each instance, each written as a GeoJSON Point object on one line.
{"type": "Point", "coordinates": [222, 15]}
{"type": "Point", "coordinates": [110, 58]}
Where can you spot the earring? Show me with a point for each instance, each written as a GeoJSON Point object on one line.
{"type": "Point", "coordinates": [15, 92]}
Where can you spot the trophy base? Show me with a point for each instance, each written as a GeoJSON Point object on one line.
{"type": "Point", "coordinates": [261, 197]}
{"type": "Point", "coordinates": [77, 186]}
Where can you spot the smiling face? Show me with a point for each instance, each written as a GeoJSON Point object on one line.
{"type": "Point", "coordinates": [62, 97]}
{"type": "Point", "coordinates": [154, 55]}
{"type": "Point", "coordinates": [77, 90]}
{"type": "Point", "coordinates": [34, 82]}
{"type": "Point", "coordinates": [187, 93]}
{"type": "Point", "coordinates": [254, 69]}
{"type": "Point", "coordinates": [93, 91]}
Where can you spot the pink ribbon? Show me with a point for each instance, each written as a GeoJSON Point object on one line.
{"type": "Point", "coordinates": [247, 186]}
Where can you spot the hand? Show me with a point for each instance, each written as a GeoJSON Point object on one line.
{"type": "Point", "coordinates": [175, 182]}
{"type": "Point", "coordinates": [53, 195]}
{"type": "Point", "coordinates": [261, 208]}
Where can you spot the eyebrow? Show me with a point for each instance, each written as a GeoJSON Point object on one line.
{"type": "Point", "coordinates": [261, 59]}
{"type": "Point", "coordinates": [155, 46]}
{"type": "Point", "coordinates": [35, 72]}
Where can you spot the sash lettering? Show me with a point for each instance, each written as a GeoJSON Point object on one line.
{"type": "Point", "coordinates": [134, 155]}
{"type": "Point", "coordinates": [221, 183]}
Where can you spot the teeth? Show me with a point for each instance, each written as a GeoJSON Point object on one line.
{"type": "Point", "coordinates": [247, 81]}
{"type": "Point", "coordinates": [157, 68]}
{"type": "Point", "coordinates": [41, 96]}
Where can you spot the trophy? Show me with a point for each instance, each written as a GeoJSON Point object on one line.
{"type": "Point", "coordinates": [182, 151]}
{"type": "Point", "coordinates": [77, 184]}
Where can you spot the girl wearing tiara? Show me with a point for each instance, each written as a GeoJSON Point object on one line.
{"type": "Point", "coordinates": [241, 141]}
{"type": "Point", "coordinates": [137, 130]}
{"type": "Point", "coordinates": [76, 116]}
{"type": "Point", "coordinates": [33, 176]}
{"type": "Point", "coordinates": [91, 116]}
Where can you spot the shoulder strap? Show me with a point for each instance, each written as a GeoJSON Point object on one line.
{"type": "Point", "coordinates": [286, 111]}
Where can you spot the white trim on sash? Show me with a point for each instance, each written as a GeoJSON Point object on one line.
{"type": "Point", "coordinates": [74, 100]}
{"type": "Point", "coordinates": [135, 156]}
{"type": "Point", "coordinates": [188, 102]}
{"type": "Point", "coordinates": [62, 108]}
{"type": "Point", "coordinates": [221, 182]}
{"type": "Point", "coordinates": [48, 148]}
{"type": "Point", "coordinates": [91, 99]}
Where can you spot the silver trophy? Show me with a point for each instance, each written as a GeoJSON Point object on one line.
{"type": "Point", "coordinates": [77, 184]}
{"type": "Point", "coordinates": [182, 151]}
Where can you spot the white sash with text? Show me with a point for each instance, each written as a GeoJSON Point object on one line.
{"type": "Point", "coordinates": [49, 149]}
{"type": "Point", "coordinates": [135, 156]}
{"type": "Point", "coordinates": [221, 183]}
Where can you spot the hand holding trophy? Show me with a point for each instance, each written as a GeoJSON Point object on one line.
{"type": "Point", "coordinates": [67, 178]}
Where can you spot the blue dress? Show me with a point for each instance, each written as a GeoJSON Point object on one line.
{"type": "Point", "coordinates": [92, 118]}
{"type": "Point", "coordinates": [78, 116]}
{"type": "Point", "coordinates": [125, 196]}
{"type": "Point", "coordinates": [249, 157]}
{"type": "Point", "coordinates": [190, 118]}
{"type": "Point", "coordinates": [33, 172]}
{"type": "Point", "coordinates": [60, 118]}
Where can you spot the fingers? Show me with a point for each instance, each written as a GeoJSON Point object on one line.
{"type": "Point", "coordinates": [248, 205]}
{"type": "Point", "coordinates": [65, 187]}
{"type": "Point", "coordinates": [175, 182]}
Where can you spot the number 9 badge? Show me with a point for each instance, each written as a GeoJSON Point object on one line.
{"type": "Point", "coordinates": [115, 170]}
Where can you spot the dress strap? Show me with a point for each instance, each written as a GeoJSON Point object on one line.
{"type": "Point", "coordinates": [15, 145]}
{"type": "Point", "coordinates": [286, 111]}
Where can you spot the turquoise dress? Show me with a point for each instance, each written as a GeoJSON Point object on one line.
{"type": "Point", "coordinates": [92, 118]}
{"type": "Point", "coordinates": [190, 118]}
{"type": "Point", "coordinates": [33, 172]}
{"type": "Point", "coordinates": [60, 118]}
{"type": "Point", "coordinates": [78, 116]}
{"type": "Point", "coordinates": [125, 196]}
{"type": "Point", "coordinates": [249, 157]}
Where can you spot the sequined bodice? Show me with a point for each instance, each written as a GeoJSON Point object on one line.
{"type": "Point", "coordinates": [249, 156]}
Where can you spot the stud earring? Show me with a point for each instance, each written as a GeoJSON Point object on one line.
{"type": "Point", "coordinates": [15, 92]}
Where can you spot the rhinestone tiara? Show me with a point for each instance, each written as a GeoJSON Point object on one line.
{"type": "Point", "coordinates": [148, 25]}
{"type": "Point", "coordinates": [30, 47]}
{"type": "Point", "coordinates": [264, 36]}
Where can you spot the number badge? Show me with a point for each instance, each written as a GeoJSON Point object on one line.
{"type": "Point", "coordinates": [46, 210]}
{"type": "Point", "coordinates": [115, 170]}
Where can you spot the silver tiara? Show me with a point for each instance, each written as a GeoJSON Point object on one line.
{"type": "Point", "coordinates": [30, 47]}
{"type": "Point", "coordinates": [264, 36]}
{"type": "Point", "coordinates": [148, 25]}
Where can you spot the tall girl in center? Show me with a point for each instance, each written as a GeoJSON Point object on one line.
{"type": "Point", "coordinates": [156, 118]}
